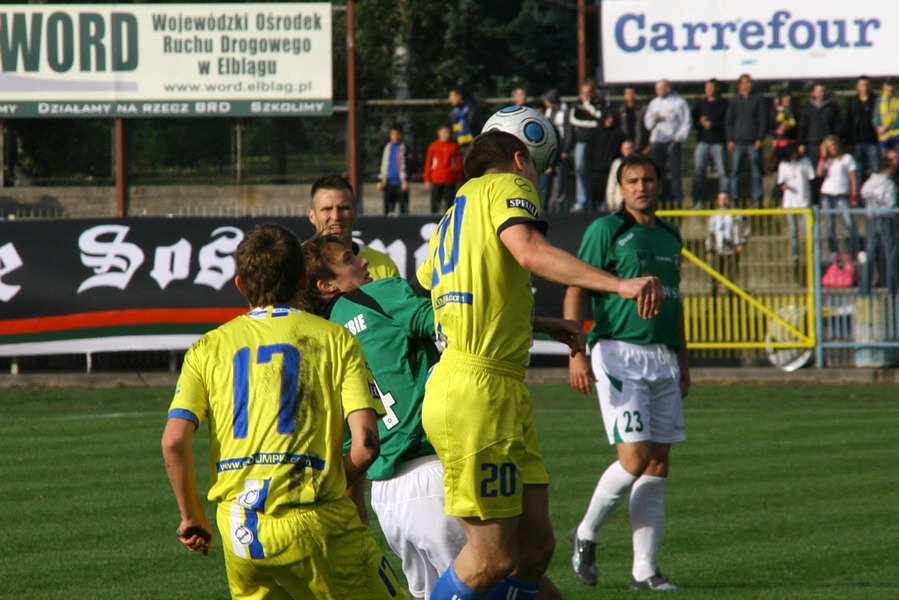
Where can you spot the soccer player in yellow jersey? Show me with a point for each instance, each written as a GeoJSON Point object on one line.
{"type": "Point", "coordinates": [477, 411]}
{"type": "Point", "coordinates": [276, 386]}
{"type": "Point", "coordinates": [332, 210]}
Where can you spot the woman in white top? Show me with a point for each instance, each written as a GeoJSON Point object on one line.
{"type": "Point", "coordinates": [838, 190]}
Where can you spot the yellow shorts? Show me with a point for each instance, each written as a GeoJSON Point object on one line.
{"type": "Point", "coordinates": [477, 413]}
{"type": "Point", "coordinates": [318, 553]}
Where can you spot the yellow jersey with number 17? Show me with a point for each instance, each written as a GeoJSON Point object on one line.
{"type": "Point", "coordinates": [482, 298]}
{"type": "Point", "coordinates": [276, 385]}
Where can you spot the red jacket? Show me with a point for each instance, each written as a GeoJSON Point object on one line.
{"type": "Point", "coordinates": [443, 163]}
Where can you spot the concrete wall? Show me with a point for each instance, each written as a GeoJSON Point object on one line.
{"type": "Point", "coordinates": [180, 200]}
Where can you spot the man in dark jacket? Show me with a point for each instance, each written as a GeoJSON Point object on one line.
{"type": "Point", "coordinates": [584, 117]}
{"type": "Point", "coordinates": [746, 124]}
{"type": "Point", "coordinates": [860, 131]}
{"type": "Point", "coordinates": [817, 120]}
{"type": "Point", "coordinates": [709, 116]}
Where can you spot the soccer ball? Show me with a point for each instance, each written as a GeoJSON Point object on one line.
{"type": "Point", "coordinates": [532, 128]}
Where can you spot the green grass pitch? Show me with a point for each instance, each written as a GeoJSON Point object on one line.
{"type": "Point", "coordinates": [779, 493]}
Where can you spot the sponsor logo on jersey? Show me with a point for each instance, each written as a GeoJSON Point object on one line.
{"type": "Point", "coordinates": [453, 298]}
{"type": "Point", "coordinates": [524, 184]}
{"type": "Point", "coordinates": [525, 204]}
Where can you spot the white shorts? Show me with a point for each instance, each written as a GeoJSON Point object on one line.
{"type": "Point", "coordinates": [411, 510]}
{"type": "Point", "coordinates": [639, 392]}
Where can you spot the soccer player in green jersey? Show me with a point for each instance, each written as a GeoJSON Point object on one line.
{"type": "Point", "coordinates": [332, 210]}
{"type": "Point", "coordinates": [639, 368]}
{"type": "Point", "coordinates": [396, 327]}
{"type": "Point", "coordinates": [276, 386]}
{"type": "Point", "coordinates": [477, 410]}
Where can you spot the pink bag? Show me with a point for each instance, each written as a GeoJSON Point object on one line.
{"type": "Point", "coordinates": [840, 274]}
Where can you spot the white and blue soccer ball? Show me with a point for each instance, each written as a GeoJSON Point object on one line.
{"type": "Point", "coordinates": [532, 128]}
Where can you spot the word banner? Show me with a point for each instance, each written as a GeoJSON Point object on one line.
{"type": "Point", "coordinates": [172, 60]}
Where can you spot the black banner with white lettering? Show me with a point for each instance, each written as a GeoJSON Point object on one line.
{"type": "Point", "coordinates": [117, 279]}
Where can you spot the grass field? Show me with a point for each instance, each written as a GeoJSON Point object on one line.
{"type": "Point", "coordinates": [779, 493]}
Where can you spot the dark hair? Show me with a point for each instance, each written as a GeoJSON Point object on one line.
{"type": "Point", "coordinates": [397, 127]}
{"type": "Point", "coordinates": [332, 181]}
{"type": "Point", "coordinates": [318, 268]}
{"type": "Point", "coordinates": [635, 160]}
{"type": "Point", "coordinates": [492, 149]}
{"type": "Point", "coordinates": [744, 76]}
{"type": "Point", "coordinates": [270, 265]}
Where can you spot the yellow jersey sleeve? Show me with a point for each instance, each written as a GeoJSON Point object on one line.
{"type": "Point", "coordinates": [380, 266]}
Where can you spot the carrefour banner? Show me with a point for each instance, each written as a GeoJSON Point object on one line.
{"type": "Point", "coordinates": [172, 60]}
{"type": "Point", "coordinates": [79, 286]}
{"type": "Point", "coordinates": [693, 40]}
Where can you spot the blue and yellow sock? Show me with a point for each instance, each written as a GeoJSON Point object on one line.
{"type": "Point", "coordinates": [450, 587]}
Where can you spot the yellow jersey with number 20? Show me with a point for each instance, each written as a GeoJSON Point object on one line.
{"type": "Point", "coordinates": [482, 297]}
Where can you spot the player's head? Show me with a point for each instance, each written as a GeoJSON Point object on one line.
{"type": "Point", "coordinates": [638, 178]}
{"type": "Point", "coordinates": [712, 88]}
{"type": "Point", "coordinates": [744, 84]}
{"type": "Point", "coordinates": [723, 200]}
{"type": "Point", "coordinates": [332, 206]}
{"type": "Point", "coordinates": [396, 133]}
{"type": "Point", "coordinates": [270, 265]}
{"type": "Point", "coordinates": [499, 152]}
{"type": "Point", "coordinates": [331, 268]}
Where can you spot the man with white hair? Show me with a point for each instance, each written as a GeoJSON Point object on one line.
{"type": "Point", "coordinates": [668, 119]}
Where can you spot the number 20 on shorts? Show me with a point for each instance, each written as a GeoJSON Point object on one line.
{"type": "Point", "coordinates": [499, 480]}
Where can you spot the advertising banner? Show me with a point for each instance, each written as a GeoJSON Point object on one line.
{"type": "Point", "coordinates": [165, 60]}
{"type": "Point", "coordinates": [79, 286]}
{"type": "Point", "coordinates": [694, 40]}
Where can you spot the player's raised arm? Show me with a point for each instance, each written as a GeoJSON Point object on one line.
{"type": "Point", "coordinates": [534, 252]}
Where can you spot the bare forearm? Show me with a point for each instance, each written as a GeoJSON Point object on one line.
{"type": "Point", "coordinates": [555, 264]}
{"type": "Point", "coordinates": [573, 304]}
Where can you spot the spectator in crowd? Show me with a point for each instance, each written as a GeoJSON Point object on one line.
{"type": "Point", "coordinates": [886, 115]}
{"type": "Point", "coordinates": [838, 191]}
{"type": "Point", "coordinates": [465, 117]}
{"type": "Point", "coordinates": [630, 116]}
{"type": "Point", "coordinates": [727, 235]}
{"type": "Point", "coordinates": [709, 118]}
{"type": "Point", "coordinates": [794, 178]}
{"type": "Point", "coordinates": [860, 131]}
{"type": "Point", "coordinates": [784, 126]}
{"type": "Point", "coordinates": [393, 176]}
{"type": "Point", "coordinates": [881, 253]}
{"type": "Point", "coordinates": [520, 96]}
{"type": "Point", "coordinates": [819, 118]}
{"type": "Point", "coordinates": [668, 119]}
{"type": "Point", "coordinates": [584, 117]}
{"type": "Point", "coordinates": [332, 210]}
{"type": "Point", "coordinates": [608, 146]}
{"type": "Point", "coordinates": [747, 121]}
{"type": "Point", "coordinates": [443, 169]}
{"type": "Point", "coordinates": [613, 190]}
{"type": "Point", "coordinates": [556, 111]}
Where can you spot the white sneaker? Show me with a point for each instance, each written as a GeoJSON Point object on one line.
{"type": "Point", "coordinates": [862, 257]}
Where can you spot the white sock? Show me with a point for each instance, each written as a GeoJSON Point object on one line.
{"type": "Point", "coordinates": [647, 510]}
{"type": "Point", "coordinates": [610, 492]}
